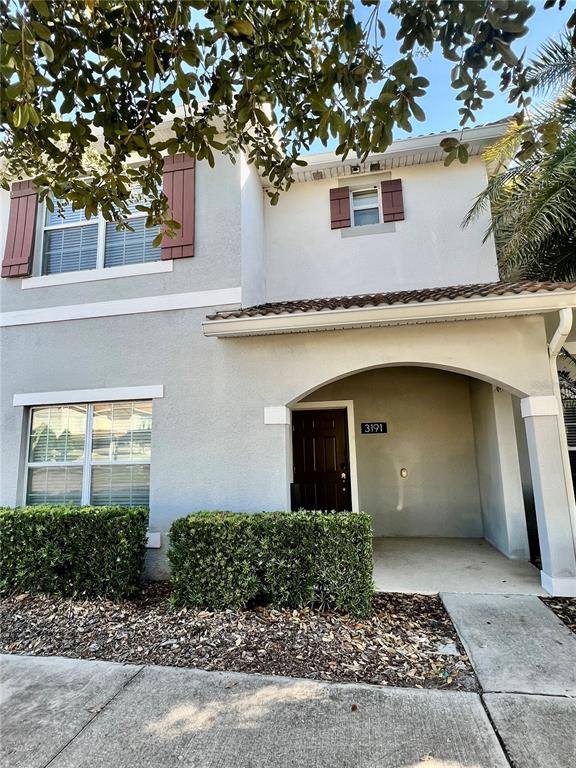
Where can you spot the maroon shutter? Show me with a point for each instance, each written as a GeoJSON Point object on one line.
{"type": "Point", "coordinates": [19, 251]}
{"type": "Point", "coordinates": [392, 200]}
{"type": "Point", "coordinates": [340, 207]}
{"type": "Point", "coordinates": [179, 188]}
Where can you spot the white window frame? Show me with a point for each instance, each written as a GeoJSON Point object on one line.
{"type": "Point", "coordinates": [101, 241]}
{"type": "Point", "coordinates": [87, 462]}
{"type": "Point", "coordinates": [369, 188]}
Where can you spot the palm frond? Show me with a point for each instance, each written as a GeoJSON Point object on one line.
{"type": "Point", "coordinates": [554, 66]}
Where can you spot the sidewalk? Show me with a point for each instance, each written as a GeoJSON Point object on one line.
{"type": "Point", "coordinates": [66, 713]}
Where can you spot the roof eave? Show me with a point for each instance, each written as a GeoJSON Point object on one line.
{"type": "Point", "coordinates": [395, 314]}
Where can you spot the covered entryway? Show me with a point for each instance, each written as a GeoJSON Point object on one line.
{"type": "Point", "coordinates": [450, 464]}
{"type": "Point", "coordinates": [441, 477]}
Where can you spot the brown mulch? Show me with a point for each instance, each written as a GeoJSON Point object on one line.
{"type": "Point", "coordinates": [409, 640]}
{"type": "Point", "coordinates": [564, 608]}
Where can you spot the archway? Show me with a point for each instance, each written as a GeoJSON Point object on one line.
{"type": "Point", "coordinates": [443, 466]}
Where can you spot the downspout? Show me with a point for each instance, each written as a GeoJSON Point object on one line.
{"type": "Point", "coordinates": [554, 348]}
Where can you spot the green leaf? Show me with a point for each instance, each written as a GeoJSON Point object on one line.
{"type": "Point", "coordinates": [449, 143]}
{"type": "Point", "coordinates": [20, 118]}
{"type": "Point", "coordinates": [239, 27]}
{"type": "Point", "coordinates": [417, 111]}
{"type": "Point", "coordinates": [41, 30]}
{"type": "Point", "coordinates": [12, 36]}
{"type": "Point", "coordinates": [263, 118]}
{"type": "Point", "coordinates": [47, 50]}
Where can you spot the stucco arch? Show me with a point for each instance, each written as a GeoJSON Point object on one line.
{"type": "Point", "coordinates": [510, 353]}
{"type": "Point", "coordinates": [412, 364]}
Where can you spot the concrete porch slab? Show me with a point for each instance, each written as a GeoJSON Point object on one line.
{"type": "Point", "coordinates": [191, 719]}
{"type": "Point", "coordinates": [515, 643]}
{"type": "Point", "coordinates": [450, 565]}
{"type": "Point", "coordinates": [538, 731]}
{"type": "Point", "coordinates": [45, 702]}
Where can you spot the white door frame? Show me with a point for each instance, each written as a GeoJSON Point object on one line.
{"type": "Point", "coordinates": [348, 406]}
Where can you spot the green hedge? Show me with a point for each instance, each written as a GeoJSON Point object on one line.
{"type": "Point", "coordinates": [295, 559]}
{"type": "Point", "coordinates": [67, 550]}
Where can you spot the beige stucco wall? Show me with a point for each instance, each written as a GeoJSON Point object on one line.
{"type": "Point", "coordinates": [430, 433]}
{"type": "Point", "coordinates": [216, 263]}
{"type": "Point", "coordinates": [306, 258]}
{"type": "Point", "coordinates": [499, 476]}
{"type": "Point", "coordinates": [210, 445]}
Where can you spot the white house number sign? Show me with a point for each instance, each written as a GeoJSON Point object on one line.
{"type": "Point", "coordinates": [373, 427]}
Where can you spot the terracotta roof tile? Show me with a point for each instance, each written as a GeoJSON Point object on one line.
{"type": "Point", "coordinates": [420, 296]}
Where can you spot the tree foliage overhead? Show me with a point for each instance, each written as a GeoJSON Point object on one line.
{"type": "Point", "coordinates": [86, 83]}
{"type": "Point", "coordinates": [532, 190]}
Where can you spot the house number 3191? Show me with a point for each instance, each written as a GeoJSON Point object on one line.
{"type": "Point", "coordinates": [373, 427]}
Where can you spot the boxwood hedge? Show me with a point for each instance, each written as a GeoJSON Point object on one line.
{"type": "Point", "coordinates": [68, 550]}
{"type": "Point", "coordinates": [295, 559]}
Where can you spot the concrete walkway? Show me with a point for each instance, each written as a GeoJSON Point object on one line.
{"type": "Point", "coordinates": [515, 643]}
{"type": "Point", "coordinates": [65, 713]}
{"type": "Point", "coordinates": [525, 660]}
{"type": "Point", "coordinates": [429, 566]}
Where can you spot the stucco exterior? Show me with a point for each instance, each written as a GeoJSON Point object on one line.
{"type": "Point", "coordinates": [429, 248]}
{"type": "Point", "coordinates": [447, 389]}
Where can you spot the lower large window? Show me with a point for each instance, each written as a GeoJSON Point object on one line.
{"type": "Point", "coordinates": [90, 454]}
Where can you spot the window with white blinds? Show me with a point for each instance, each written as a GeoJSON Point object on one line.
{"type": "Point", "coordinates": [365, 206]}
{"type": "Point", "coordinates": [72, 243]}
{"type": "Point", "coordinates": [570, 422]}
{"type": "Point", "coordinates": [90, 454]}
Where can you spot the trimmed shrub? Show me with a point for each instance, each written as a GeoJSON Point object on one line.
{"type": "Point", "coordinates": [292, 559]}
{"type": "Point", "coordinates": [68, 550]}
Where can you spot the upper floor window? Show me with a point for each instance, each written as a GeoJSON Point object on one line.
{"type": "Point", "coordinates": [90, 454]}
{"type": "Point", "coordinates": [75, 243]}
{"type": "Point", "coordinates": [365, 206]}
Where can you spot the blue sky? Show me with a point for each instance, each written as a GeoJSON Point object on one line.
{"type": "Point", "coordinates": [439, 104]}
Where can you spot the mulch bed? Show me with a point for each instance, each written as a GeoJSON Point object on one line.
{"type": "Point", "coordinates": [408, 641]}
{"type": "Point", "coordinates": [564, 608]}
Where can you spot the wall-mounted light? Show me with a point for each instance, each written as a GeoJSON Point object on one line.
{"type": "Point", "coordinates": [403, 472]}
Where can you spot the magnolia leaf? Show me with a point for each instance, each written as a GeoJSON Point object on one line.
{"type": "Point", "coordinates": [46, 50]}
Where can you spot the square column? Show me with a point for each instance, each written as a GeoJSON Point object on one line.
{"type": "Point", "coordinates": [551, 496]}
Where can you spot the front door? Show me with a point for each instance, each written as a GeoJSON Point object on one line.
{"type": "Point", "coordinates": [321, 460]}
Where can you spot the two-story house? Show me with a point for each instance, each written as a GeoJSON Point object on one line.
{"type": "Point", "coordinates": [349, 348]}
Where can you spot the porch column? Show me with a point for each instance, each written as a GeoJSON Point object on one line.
{"type": "Point", "coordinates": [279, 417]}
{"type": "Point", "coordinates": [551, 496]}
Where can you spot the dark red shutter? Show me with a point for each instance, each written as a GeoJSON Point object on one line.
{"type": "Point", "coordinates": [19, 251]}
{"type": "Point", "coordinates": [179, 188]}
{"type": "Point", "coordinates": [340, 207]}
{"type": "Point", "coordinates": [392, 200]}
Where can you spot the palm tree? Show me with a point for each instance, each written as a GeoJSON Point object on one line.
{"type": "Point", "coordinates": [532, 187]}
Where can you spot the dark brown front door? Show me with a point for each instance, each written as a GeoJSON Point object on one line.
{"type": "Point", "coordinates": [321, 460]}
